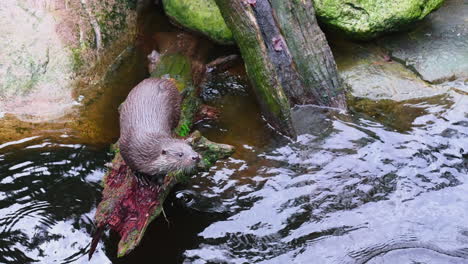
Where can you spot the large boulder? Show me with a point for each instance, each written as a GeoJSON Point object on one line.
{"type": "Point", "coordinates": [202, 16]}
{"type": "Point", "coordinates": [365, 19]}
{"type": "Point", "coordinates": [46, 45]}
{"type": "Point", "coordinates": [361, 19]}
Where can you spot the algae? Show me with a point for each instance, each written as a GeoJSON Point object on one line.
{"type": "Point", "coordinates": [366, 19]}
{"type": "Point", "coordinates": [200, 15]}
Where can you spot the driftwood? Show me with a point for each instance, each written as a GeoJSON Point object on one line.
{"type": "Point", "coordinates": [286, 55]}
{"type": "Point", "coordinates": [128, 205]}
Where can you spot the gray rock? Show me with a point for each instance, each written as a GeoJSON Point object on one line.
{"type": "Point", "coordinates": [437, 49]}
{"type": "Point", "coordinates": [370, 74]}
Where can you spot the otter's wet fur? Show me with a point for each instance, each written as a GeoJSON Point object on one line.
{"type": "Point", "coordinates": [147, 118]}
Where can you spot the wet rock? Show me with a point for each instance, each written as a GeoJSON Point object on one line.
{"type": "Point", "coordinates": [437, 49]}
{"type": "Point", "coordinates": [371, 74]}
{"type": "Point", "coordinates": [199, 15]}
{"type": "Point", "coordinates": [369, 18]}
{"type": "Point", "coordinates": [48, 44]}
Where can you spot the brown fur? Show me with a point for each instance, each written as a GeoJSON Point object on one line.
{"type": "Point", "coordinates": [147, 118]}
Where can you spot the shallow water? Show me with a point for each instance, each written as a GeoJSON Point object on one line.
{"type": "Point", "coordinates": [48, 191]}
{"type": "Point", "coordinates": [357, 188]}
{"type": "Point", "coordinates": [353, 190]}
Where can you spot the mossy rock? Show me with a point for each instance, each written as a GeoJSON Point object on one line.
{"type": "Point", "coordinates": [51, 46]}
{"type": "Point", "coordinates": [201, 16]}
{"type": "Point", "coordinates": [365, 19]}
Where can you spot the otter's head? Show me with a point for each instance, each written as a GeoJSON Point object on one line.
{"type": "Point", "coordinates": [175, 155]}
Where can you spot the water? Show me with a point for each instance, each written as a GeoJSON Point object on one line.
{"type": "Point", "coordinates": [48, 192]}
{"type": "Point", "coordinates": [353, 190]}
{"type": "Point", "coordinates": [356, 188]}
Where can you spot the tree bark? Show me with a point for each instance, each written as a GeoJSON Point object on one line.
{"type": "Point", "coordinates": [261, 70]}
{"type": "Point", "coordinates": [286, 56]}
{"type": "Point", "coordinates": [311, 55]}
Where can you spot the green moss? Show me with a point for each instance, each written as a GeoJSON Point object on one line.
{"type": "Point", "coordinates": [180, 176]}
{"type": "Point", "coordinates": [365, 19]}
{"type": "Point", "coordinates": [129, 243]}
{"type": "Point", "coordinates": [175, 66]}
{"type": "Point", "coordinates": [130, 4]}
{"type": "Point", "coordinates": [190, 106]}
{"type": "Point", "coordinates": [210, 151]}
{"type": "Point", "coordinates": [77, 59]}
{"type": "Point", "coordinates": [183, 130]}
{"type": "Point", "coordinates": [113, 19]}
{"type": "Point", "coordinates": [114, 148]}
{"type": "Point", "coordinates": [200, 15]}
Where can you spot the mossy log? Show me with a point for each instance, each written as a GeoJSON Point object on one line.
{"type": "Point", "coordinates": [286, 55]}
{"type": "Point", "coordinates": [128, 205]}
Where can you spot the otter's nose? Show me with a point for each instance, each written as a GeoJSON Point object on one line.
{"type": "Point", "coordinates": [196, 158]}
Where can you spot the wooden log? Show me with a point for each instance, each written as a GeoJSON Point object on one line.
{"type": "Point", "coordinates": [286, 55]}
{"type": "Point", "coordinates": [271, 96]}
{"type": "Point", "coordinates": [311, 55]}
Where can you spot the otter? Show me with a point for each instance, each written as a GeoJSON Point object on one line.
{"type": "Point", "coordinates": [147, 117]}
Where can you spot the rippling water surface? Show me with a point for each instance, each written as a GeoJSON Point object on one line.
{"type": "Point", "coordinates": [48, 192]}
{"type": "Point", "coordinates": [356, 187]}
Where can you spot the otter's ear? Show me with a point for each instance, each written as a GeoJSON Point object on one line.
{"type": "Point", "coordinates": [163, 152]}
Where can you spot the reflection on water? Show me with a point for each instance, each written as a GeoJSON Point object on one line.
{"type": "Point", "coordinates": [352, 190]}
{"type": "Point", "coordinates": [355, 188]}
{"type": "Point", "coordinates": [48, 191]}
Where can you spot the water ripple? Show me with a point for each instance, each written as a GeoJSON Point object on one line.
{"type": "Point", "coordinates": [46, 201]}
{"type": "Point", "coordinates": [351, 190]}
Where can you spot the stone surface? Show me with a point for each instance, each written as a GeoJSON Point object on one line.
{"type": "Point", "coordinates": [48, 44]}
{"type": "Point", "coordinates": [365, 19]}
{"type": "Point", "coordinates": [437, 49]}
{"type": "Point", "coordinates": [409, 65]}
{"type": "Point", "coordinates": [35, 66]}
{"type": "Point", "coordinates": [367, 70]}
{"type": "Point", "coordinates": [202, 16]}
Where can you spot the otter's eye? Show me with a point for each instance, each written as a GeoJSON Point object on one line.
{"type": "Point", "coordinates": [163, 152]}
{"type": "Point", "coordinates": [181, 154]}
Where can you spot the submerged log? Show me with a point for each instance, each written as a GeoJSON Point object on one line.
{"type": "Point", "coordinates": [286, 55]}
{"type": "Point", "coordinates": [129, 205]}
